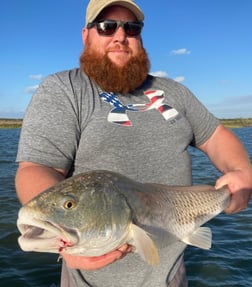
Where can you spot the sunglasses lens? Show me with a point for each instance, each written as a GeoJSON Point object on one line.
{"type": "Point", "coordinates": [106, 28]}
{"type": "Point", "coordinates": [109, 27]}
{"type": "Point", "coordinates": [132, 29]}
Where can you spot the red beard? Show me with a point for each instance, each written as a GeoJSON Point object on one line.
{"type": "Point", "coordinates": [112, 78]}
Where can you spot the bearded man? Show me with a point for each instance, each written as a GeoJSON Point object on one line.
{"type": "Point", "coordinates": [111, 114]}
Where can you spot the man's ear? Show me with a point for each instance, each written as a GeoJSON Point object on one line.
{"type": "Point", "coordinates": [84, 35]}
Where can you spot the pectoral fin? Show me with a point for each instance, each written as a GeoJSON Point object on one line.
{"type": "Point", "coordinates": [202, 238]}
{"type": "Point", "coordinates": [144, 245]}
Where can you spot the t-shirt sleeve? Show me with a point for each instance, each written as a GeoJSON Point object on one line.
{"type": "Point", "coordinates": [202, 121]}
{"type": "Point", "coordinates": [50, 131]}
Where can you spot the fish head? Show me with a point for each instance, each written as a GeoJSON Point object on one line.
{"type": "Point", "coordinates": [85, 214]}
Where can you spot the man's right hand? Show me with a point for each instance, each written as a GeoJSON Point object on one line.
{"type": "Point", "coordinates": [96, 262]}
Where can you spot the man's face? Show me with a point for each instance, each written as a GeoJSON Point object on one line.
{"type": "Point", "coordinates": [119, 48]}
{"type": "Point", "coordinates": [117, 63]}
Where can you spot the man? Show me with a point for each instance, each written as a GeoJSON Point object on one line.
{"type": "Point", "coordinates": [111, 114]}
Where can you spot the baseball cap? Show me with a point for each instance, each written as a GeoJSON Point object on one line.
{"type": "Point", "coordinates": [95, 7]}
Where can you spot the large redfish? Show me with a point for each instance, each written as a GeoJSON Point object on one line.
{"type": "Point", "coordinates": [95, 212]}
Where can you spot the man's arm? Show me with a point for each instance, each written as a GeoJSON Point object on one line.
{"type": "Point", "coordinates": [230, 157]}
{"type": "Point", "coordinates": [32, 179]}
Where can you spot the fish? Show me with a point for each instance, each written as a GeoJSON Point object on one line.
{"type": "Point", "coordinates": [95, 212]}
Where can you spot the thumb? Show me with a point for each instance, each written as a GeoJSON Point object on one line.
{"type": "Point", "coordinates": [221, 181]}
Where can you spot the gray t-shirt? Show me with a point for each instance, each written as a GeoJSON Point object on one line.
{"type": "Point", "coordinates": [72, 124]}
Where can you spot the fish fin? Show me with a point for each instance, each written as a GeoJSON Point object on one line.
{"type": "Point", "coordinates": [202, 238]}
{"type": "Point", "coordinates": [144, 245]}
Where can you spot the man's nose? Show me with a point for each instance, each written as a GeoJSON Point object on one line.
{"type": "Point", "coordinates": [120, 35]}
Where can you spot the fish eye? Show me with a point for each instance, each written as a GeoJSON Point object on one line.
{"type": "Point", "coordinates": [69, 204]}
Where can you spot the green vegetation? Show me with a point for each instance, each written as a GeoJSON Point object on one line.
{"type": "Point", "coordinates": [237, 123]}
{"type": "Point", "coordinates": [229, 123]}
{"type": "Point", "coordinates": [10, 123]}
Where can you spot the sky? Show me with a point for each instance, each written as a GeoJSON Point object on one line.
{"type": "Point", "coordinates": [205, 45]}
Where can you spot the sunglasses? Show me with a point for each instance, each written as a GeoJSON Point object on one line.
{"type": "Point", "coordinates": [109, 27]}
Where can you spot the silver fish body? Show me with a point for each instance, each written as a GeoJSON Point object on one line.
{"type": "Point", "coordinates": [95, 212]}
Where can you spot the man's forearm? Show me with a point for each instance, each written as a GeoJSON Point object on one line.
{"type": "Point", "coordinates": [32, 179]}
{"type": "Point", "coordinates": [230, 157]}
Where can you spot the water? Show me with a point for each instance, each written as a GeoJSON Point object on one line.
{"type": "Point", "coordinates": [17, 268]}
{"type": "Point", "coordinates": [228, 263]}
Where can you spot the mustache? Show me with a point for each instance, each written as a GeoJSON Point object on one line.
{"type": "Point", "coordinates": [120, 48]}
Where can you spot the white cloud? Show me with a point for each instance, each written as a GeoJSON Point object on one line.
{"type": "Point", "coordinates": [179, 79]}
{"type": "Point", "coordinates": [36, 77]}
{"type": "Point", "coordinates": [11, 115]}
{"type": "Point", "coordinates": [233, 107]}
{"type": "Point", "coordinates": [164, 74]}
{"type": "Point", "coordinates": [182, 51]}
{"type": "Point", "coordinates": [31, 89]}
{"type": "Point", "coordinates": [237, 101]}
{"type": "Point", "coordinates": [161, 74]}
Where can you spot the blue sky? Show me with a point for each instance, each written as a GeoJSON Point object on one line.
{"type": "Point", "coordinates": [204, 44]}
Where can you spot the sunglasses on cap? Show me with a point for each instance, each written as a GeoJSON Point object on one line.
{"type": "Point", "coordinates": [109, 27]}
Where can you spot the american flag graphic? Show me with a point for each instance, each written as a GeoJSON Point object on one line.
{"type": "Point", "coordinates": [118, 115]}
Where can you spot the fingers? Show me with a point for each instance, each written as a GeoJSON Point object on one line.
{"type": "Point", "coordinates": [225, 180]}
{"type": "Point", "coordinates": [239, 187]}
{"type": "Point", "coordinates": [239, 201]}
{"type": "Point", "coordinates": [125, 248]}
{"type": "Point", "coordinates": [95, 262]}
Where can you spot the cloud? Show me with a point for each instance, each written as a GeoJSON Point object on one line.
{"type": "Point", "coordinates": [179, 79]}
{"type": "Point", "coordinates": [12, 114]}
{"type": "Point", "coordinates": [36, 77]}
{"type": "Point", "coordinates": [239, 100]}
{"type": "Point", "coordinates": [164, 74]}
{"type": "Point", "coordinates": [31, 89]}
{"type": "Point", "coordinates": [182, 51]}
{"type": "Point", "coordinates": [233, 107]}
{"type": "Point", "coordinates": [161, 74]}
{"type": "Point", "coordinates": [225, 82]}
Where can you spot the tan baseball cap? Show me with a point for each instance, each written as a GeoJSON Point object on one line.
{"type": "Point", "coordinates": [95, 7]}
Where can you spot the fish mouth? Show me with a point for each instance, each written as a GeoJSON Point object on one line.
{"type": "Point", "coordinates": [42, 235]}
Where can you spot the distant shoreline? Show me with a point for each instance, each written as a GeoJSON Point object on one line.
{"type": "Point", "coordinates": [10, 123]}
{"type": "Point", "coordinates": [229, 123]}
{"type": "Point", "coordinates": [237, 123]}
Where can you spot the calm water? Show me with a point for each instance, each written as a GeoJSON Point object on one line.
{"type": "Point", "coordinates": [228, 263]}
